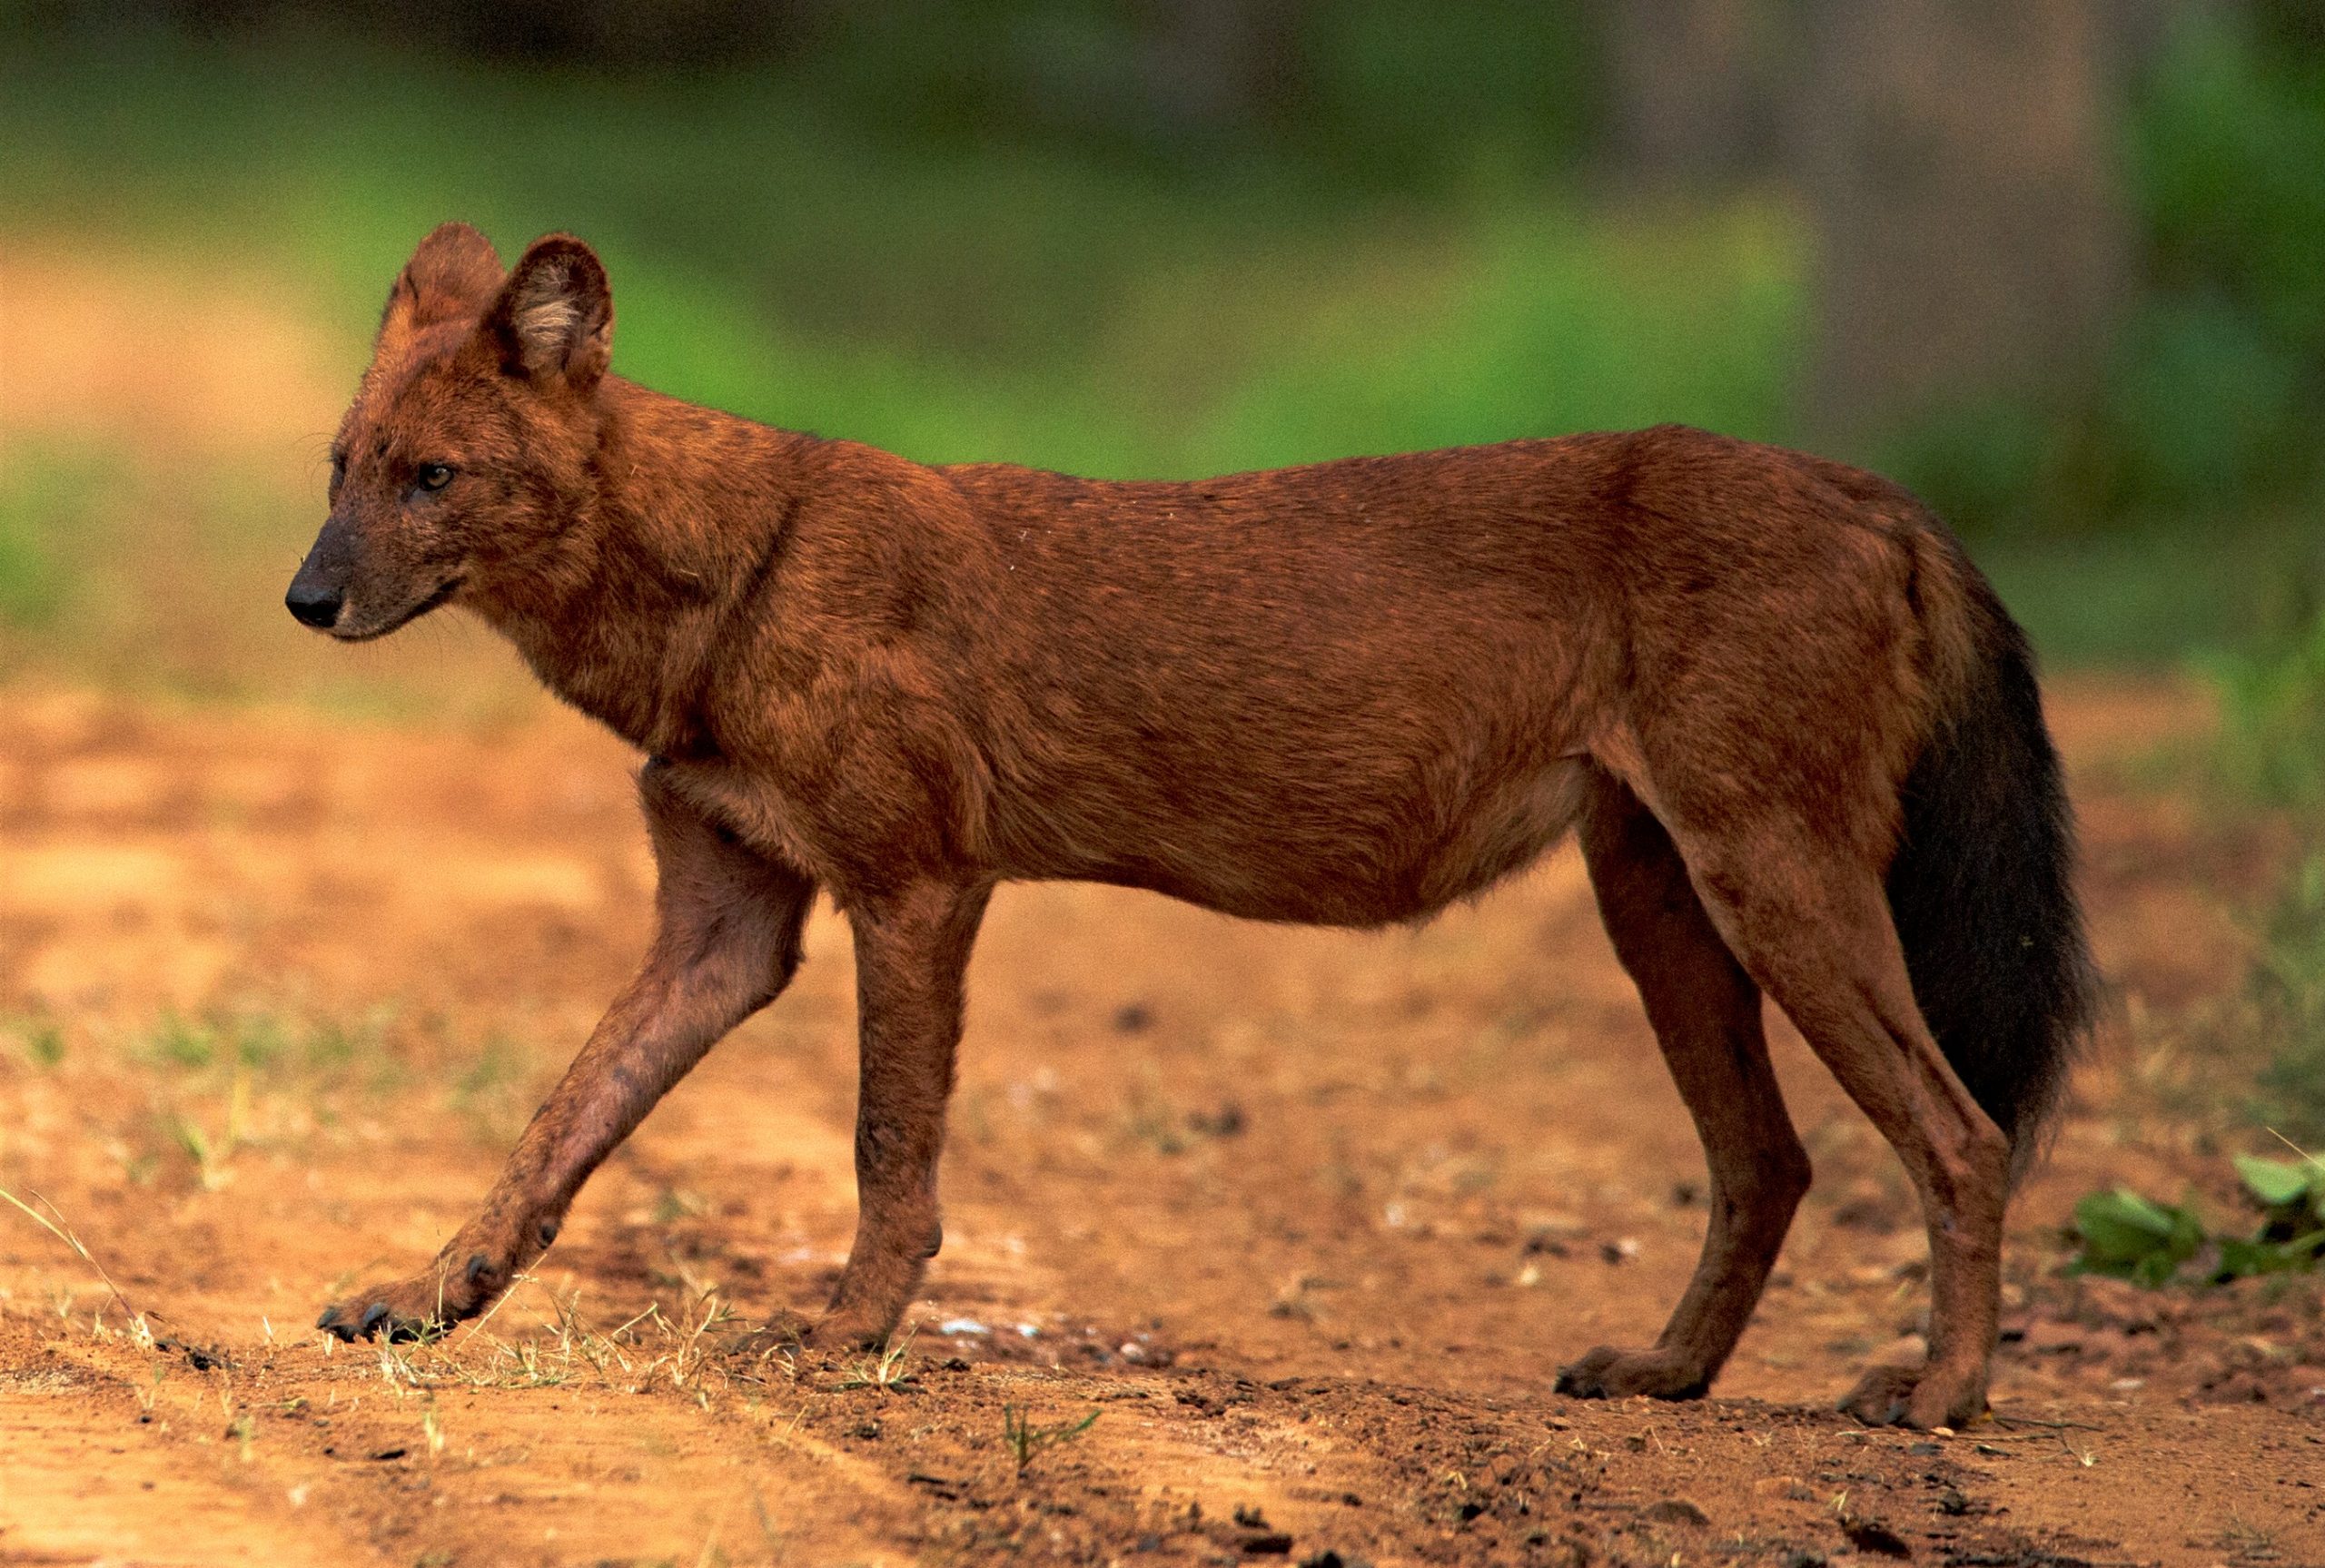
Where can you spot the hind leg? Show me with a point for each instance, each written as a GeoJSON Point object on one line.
{"type": "Point", "coordinates": [1809, 919]}
{"type": "Point", "coordinates": [1706, 1016]}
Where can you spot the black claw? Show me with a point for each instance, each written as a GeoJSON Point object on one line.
{"type": "Point", "coordinates": [371, 1315]}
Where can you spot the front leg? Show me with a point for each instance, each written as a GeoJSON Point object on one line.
{"type": "Point", "coordinates": [912, 952]}
{"type": "Point", "coordinates": [727, 941]}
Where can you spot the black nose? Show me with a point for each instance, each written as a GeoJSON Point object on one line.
{"type": "Point", "coordinates": [317, 607]}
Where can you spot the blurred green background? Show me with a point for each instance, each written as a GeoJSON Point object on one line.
{"type": "Point", "coordinates": [2057, 267]}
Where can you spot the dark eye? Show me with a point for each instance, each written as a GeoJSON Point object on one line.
{"type": "Point", "coordinates": [338, 469]}
{"type": "Point", "coordinates": [433, 476]}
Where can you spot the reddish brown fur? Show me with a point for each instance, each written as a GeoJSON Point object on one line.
{"type": "Point", "coordinates": [1348, 694]}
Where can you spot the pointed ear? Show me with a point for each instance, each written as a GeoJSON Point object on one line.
{"type": "Point", "coordinates": [554, 318]}
{"type": "Point", "coordinates": [453, 274]}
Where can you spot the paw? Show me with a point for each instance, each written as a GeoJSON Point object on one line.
{"type": "Point", "coordinates": [785, 1333]}
{"type": "Point", "coordinates": [1915, 1397]}
{"type": "Point", "coordinates": [1607, 1372]}
{"type": "Point", "coordinates": [843, 1330]}
{"type": "Point", "coordinates": [419, 1308]}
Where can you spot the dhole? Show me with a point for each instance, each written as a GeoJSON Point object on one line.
{"type": "Point", "coordinates": [1799, 738]}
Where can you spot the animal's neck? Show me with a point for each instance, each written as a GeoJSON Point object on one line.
{"type": "Point", "coordinates": [621, 611]}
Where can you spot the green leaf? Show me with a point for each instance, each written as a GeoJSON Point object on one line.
{"type": "Point", "coordinates": [2154, 1270]}
{"type": "Point", "coordinates": [2122, 1212]}
{"type": "Point", "coordinates": [2304, 1251]}
{"type": "Point", "coordinates": [2277, 1183]}
{"type": "Point", "coordinates": [2133, 1238]}
{"type": "Point", "coordinates": [2240, 1259]}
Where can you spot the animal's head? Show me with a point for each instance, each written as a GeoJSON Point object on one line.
{"type": "Point", "coordinates": [469, 442]}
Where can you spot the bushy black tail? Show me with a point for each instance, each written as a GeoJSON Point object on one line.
{"type": "Point", "coordinates": [1981, 889]}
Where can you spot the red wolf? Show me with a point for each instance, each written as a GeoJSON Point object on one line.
{"type": "Point", "coordinates": [1798, 736]}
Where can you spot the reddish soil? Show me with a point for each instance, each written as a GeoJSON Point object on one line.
{"type": "Point", "coordinates": [1307, 1219]}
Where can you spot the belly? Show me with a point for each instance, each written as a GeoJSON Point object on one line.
{"type": "Point", "coordinates": [1339, 856]}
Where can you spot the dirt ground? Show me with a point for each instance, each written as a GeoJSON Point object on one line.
{"type": "Point", "coordinates": [1306, 1220]}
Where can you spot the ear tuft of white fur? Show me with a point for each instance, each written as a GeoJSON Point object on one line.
{"type": "Point", "coordinates": [555, 315]}
{"type": "Point", "coordinates": [548, 319]}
